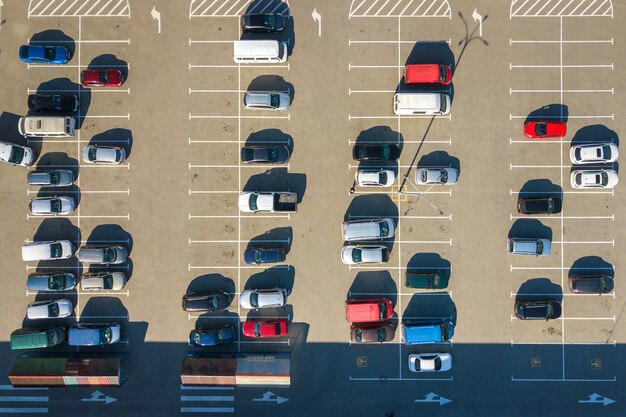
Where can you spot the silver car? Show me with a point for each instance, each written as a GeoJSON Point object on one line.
{"type": "Point", "coordinates": [266, 298]}
{"type": "Point", "coordinates": [375, 178]}
{"type": "Point", "coordinates": [430, 362]}
{"type": "Point", "coordinates": [52, 206]}
{"type": "Point", "coordinates": [97, 154]}
{"type": "Point", "coordinates": [54, 309]}
{"type": "Point", "coordinates": [437, 175]}
{"type": "Point", "coordinates": [266, 100]}
{"type": "Point", "coordinates": [103, 254]}
{"type": "Point", "coordinates": [528, 246]}
{"type": "Point", "coordinates": [55, 281]}
{"type": "Point", "coordinates": [100, 281]}
{"type": "Point", "coordinates": [52, 178]}
{"type": "Point", "coordinates": [370, 254]}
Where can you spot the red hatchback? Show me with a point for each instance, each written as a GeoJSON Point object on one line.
{"type": "Point", "coordinates": [539, 129]}
{"type": "Point", "coordinates": [101, 78]}
{"type": "Point", "coordinates": [269, 328]}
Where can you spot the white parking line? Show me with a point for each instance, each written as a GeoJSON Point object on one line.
{"type": "Point", "coordinates": [255, 216]}
{"type": "Point", "coordinates": [237, 117]}
{"type": "Point", "coordinates": [443, 141]}
{"type": "Point", "coordinates": [126, 41]}
{"type": "Point", "coordinates": [511, 91]}
{"type": "Point", "coordinates": [82, 216]}
{"type": "Point", "coordinates": [83, 91]}
{"type": "Point", "coordinates": [555, 268]}
{"type": "Point", "coordinates": [287, 241]}
{"type": "Point", "coordinates": [448, 116]}
{"type": "Point", "coordinates": [613, 343]}
{"type": "Point", "coordinates": [260, 267]}
{"type": "Point", "coordinates": [273, 142]}
{"type": "Point", "coordinates": [571, 116]}
{"type": "Point", "coordinates": [611, 217]}
{"type": "Point", "coordinates": [584, 192]}
{"type": "Point", "coordinates": [577, 318]}
{"type": "Point", "coordinates": [237, 66]}
{"type": "Point", "coordinates": [515, 294]}
{"type": "Point", "coordinates": [213, 192]}
{"type": "Point", "coordinates": [29, 192]}
{"type": "Point", "coordinates": [611, 41]}
{"type": "Point", "coordinates": [378, 216]}
{"type": "Point", "coordinates": [512, 66]}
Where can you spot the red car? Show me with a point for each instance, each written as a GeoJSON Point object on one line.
{"type": "Point", "coordinates": [268, 328]}
{"type": "Point", "coordinates": [101, 78]}
{"type": "Point", "coordinates": [539, 129]}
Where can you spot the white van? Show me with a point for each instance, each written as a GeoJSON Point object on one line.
{"type": "Point", "coordinates": [46, 126]}
{"type": "Point", "coordinates": [374, 229]}
{"type": "Point", "coordinates": [47, 251]}
{"type": "Point", "coordinates": [428, 104]}
{"type": "Point", "coordinates": [260, 51]}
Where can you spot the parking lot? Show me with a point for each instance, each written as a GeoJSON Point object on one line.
{"type": "Point", "coordinates": [174, 201]}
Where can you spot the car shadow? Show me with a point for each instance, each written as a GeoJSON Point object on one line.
{"type": "Point", "coordinates": [11, 134]}
{"type": "Point", "coordinates": [276, 180]}
{"type": "Point", "coordinates": [115, 137]}
{"type": "Point", "coordinates": [529, 229]}
{"type": "Point", "coordinates": [373, 284]}
{"type": "Point", "coordinates": [595, 133]}
{"type": "Point", "coordinates": [371, 206]}
{"type": "Point", "coordinates": [440, 159]}
{"type": "Point", "coordinates": [209, 282]}
{"type": "Point", "coordinates": [276, 237]}
{"type": "Point", "coordinates": [430, 307]}
{"type": "Point", "coordinates": [588, 265]}
{"type": "Point", "coordinates": [428, 262]}
{"type": "Point", "coordinates": [551, 112]}
{"type": "Point", "coordinates": [537, 289]}
{"type": "Point", "coordinates": [272, 83]}
{"type": "Point", "coordinates": [54, 37]}
{"type": "Point", "coordinates": [110, 234]}
{"type": "Point", "coordinates": [274, 277]}
{"type": "Point", "coordinates": [541, 187]}
{"type": "Point", "coordinates": [377, 135]}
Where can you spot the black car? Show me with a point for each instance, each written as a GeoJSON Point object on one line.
{"type": "Point", "coordinates": [206, 301]}
{"type": "Point", "coordinates": [538, 205]}
{"type": "Point", "coordinates": [376, 152]}
{"type": "Point", "coordinates": [212, 337]}
{"type": "Point", "coordinates": [590, 284]}
{"type": "Point", "coordinates": [262, 22]}
{"type": "Point", "coordinates": [264, 154]}
{"type": "Point", "coordinates": [67, 103]}
{"type": "Point", "coordinates": [538, 309]}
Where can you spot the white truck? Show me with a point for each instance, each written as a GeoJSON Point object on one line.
{"type": "Point", "coordinates": [253, 202]}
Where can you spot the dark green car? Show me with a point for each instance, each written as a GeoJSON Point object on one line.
{"type": "Point", "coordinates": [433, 280]}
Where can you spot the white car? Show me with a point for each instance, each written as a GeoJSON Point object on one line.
{"type": "Point", "coordinates": [594, 178]}
{"type": "Point", "coordinates": [430, 362]}
{"type": "Point", "coordinates": [51, 206]}
{"type": "Point", "coordinates": [266, 100]}
{"type": "Point", "coordinates": [53, 309]}
{"type": "Point", "coordinates": [357, 254]}
{"type": "Point", "coordinates": [375, 178]}
{"type": "Point", "coordinates": [47, 251]}
{"type": "Point", "coordinates": [593, 153]}
{"type": "Point", "coordinates": [437, 175]}
{"type": "Point", "coordinates": [267, 298]}
{"type": "Point", "coordinates": [51, 178]}
{"type": "Point", "coordinates": [100, 281]}
{"type": "Point", "coordinates": [97, 154]}
{"type": "Point", "coordinates": [16, 155]}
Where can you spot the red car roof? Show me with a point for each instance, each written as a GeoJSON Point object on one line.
{"type": "Point", "coordinates": [265, 328]}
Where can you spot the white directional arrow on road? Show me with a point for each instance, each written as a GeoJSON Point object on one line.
{"type": "Point", "coordinates": [478, 18]}
{"type": "Point", "coordinates": [317, 17]}
{"type": "Point", "coordinates": [156, 16]}
{"type": "Point", "coordinates": [597, 399]}
{"type": "Point", "coordinates": [431, 397]}
{"type": "Point", "coordinates": [98, 396]}
{"type": "Point", "coordinates": [270, 396]}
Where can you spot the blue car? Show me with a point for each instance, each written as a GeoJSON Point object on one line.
{"type": "Point", "coordinates": [212, 337]}
{"type": "Point", "coordinates": [254, 256]}
{"type": "Point", "coordinates": [43, 54]}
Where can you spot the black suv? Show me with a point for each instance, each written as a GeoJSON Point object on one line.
{"type": "Point", "coordinates": [538, 205]}
{"type": "Point", "coordinates": [206, 301]}
{"type": "Point", "coordinates": [376, 152]}
{"type": "Point", "coordinates": [538, 309]}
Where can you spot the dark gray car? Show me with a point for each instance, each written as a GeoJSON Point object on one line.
{"type": "Point", "coordinates": [590, 284]}
{"type": "Point", "coordinates": [206, 301]}
{"type": "Point", "coordinates": [262, 154]}
{"type": "Point", "coordinates": [51, 178]}
{"type": "Point", "coordinates": [538, 309]}
{"type": "Point", "coordinates": [262, 22]}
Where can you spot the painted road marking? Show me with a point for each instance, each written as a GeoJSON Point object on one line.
{"type": "Point", "coordinates": [233, 8]}
{"type": "Point", "coordinates": [400, 8]}
{"type": "Point", "coordinates": [91, 8]}
{"type": "Point", "coordinates": [559, 8]}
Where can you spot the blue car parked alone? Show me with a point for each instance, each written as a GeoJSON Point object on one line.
{"type": "Point", "coordinates": [254, 255]}
{"type": "Point", "coordinates": [44, 54]}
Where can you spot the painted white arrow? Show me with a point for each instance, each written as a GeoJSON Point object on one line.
{"type": "Point", "coordinates": [478, 18]}
{"type": "Point", "coordinates": [156, 16]}
{"type": "Point", "coordinates": [597, 399]}
{"type": "Point", "coordinates": [317, 17]}
{"type": "Point", "coordinates": [270, 396]}
{"type": "Point", "coordinates": [431, 397]}
{"type": "Point", "coordinates": [98, 396]}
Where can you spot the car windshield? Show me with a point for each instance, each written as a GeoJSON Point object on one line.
{"type": "Point", "coordinates": [382, 177]}
{"type": "Point", "coordinates": [436, 281]}
{"type": "Point", "coordinates": [253, 199]}
{"type": "Point", "coordinates": [443, 176]}
{"type": "Point", "coordinates": [358, 335]}
{"type": "Point", "coordinates": [213, 302]}
{"type": "Point", "coordinates": [197, 338]}
{"type": "Point", "coordinates": [49, 53]}
{"type": "Point", "coordinates": [384, 228]}
{"type": "Point", "coordinates": [539, 246]}
{"type": "Point", "coordinates": [604, 178]}
{"type": "Point", "coordinates": [382, 307]}
{"type": "Point", "coordinates": [254, 299]}
{"type": "Point", "coordinates": [109, 255]}
{"type": "Point", "coordinates": [55, 250]}
{"type": "Point", "coordinates": [53, 310]}
{"type": "Point", "coordinates": [356, 255]}
{"type": "Point", "coordinates": [107, 282]}
{"type": "Point", "coordinates": [56, 282]}
{"type": "Point", "coordinates": [118, 155]}
{"type": "Point", "coordinates": [106, 335]}
{"type": "Point", "coordinates": [275, 101]}
{"type": "Point", "coordinates": [104, 76]}
{"type": "Point", "coordinates": [93, 152]}
{"type": "Point", "coordinates": [277, 328]}
{"type": "Point", "coordinates": [272, 154]}
{"type": "Point", "coordinates": [257, 256]}
{"type": "Point", "coordinates": [541, 129]}
{"type": "Point", "coordinates": [270, 21]}
{"type": "Point", "coordinates": [606, 151]}
{"type": "Point", "coordinates": [17, 154]}
{"type": "Point", "coordinates": [442, 74]}
{"type": "Point", "coordinates": [55, 205]}
{"type": "Point", "coordinates": [437, 362]}
{"type": "Point", "coordinates": [55, 178]}
{"type": "Point", "coordinates": [385, 152]}
{"type": "Point", "coordinates": [381, 334]}
{"type": "Point", "coordinates": [549, 310]}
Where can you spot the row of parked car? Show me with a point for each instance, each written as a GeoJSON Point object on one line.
{"type": "Point", "coordinates": [251, 50]}
{"type": "Point", "coordinates": [53, 118]}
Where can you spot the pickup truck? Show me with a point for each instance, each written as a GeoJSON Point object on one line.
{"type": "Point", "coordinates": [283, 201]}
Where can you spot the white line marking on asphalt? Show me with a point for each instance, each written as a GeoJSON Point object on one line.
{"type": "Point", "coordinates": [611, 41]}
{"type": "Point", "coordinates": [207, 398]}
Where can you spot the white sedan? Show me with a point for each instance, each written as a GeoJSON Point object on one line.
{"type": "Point", "coordinates": [54, 309]}
{"type": "Point", "coordinates": [266, 298]}
{"type": "Point", "coordinates": [593, 153]}
{"type": "Point", "coordinates": [50, 206]}
{"type": "Point", "coordinates": [430, 362]}
{"type": "Point", "coordinates": [375, 178]}
{"type": "Point", "coordinates": [437, 175]}
{"type": "Point", "coordinates": [97, 154]}
{"type": "Point", "coordinates": [356, 255]}
{"type": "Point", "coordinates": [594, 178]}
